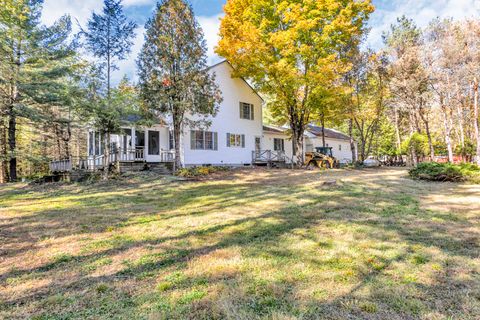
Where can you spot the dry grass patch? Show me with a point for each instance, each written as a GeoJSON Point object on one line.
{"type": "Point", "coordinates": [246, 244]}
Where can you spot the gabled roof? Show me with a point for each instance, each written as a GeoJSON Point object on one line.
{"type": "Point", "coordinates": [329, 133]}
{"type": "Point", "coordinates": [231, 66]}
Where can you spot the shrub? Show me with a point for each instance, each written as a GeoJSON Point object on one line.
{"type": "Point", "coordinates": [199, 171]}
{"type": "Point", "coordinates": [446, 172]}
{"type": "Point", "coordinates": [417, 142]}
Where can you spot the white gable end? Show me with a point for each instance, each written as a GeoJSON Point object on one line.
{"type": "Point", "coordinates": [229, 123]}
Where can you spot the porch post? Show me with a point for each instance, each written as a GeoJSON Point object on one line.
{"type": "Point", "coordinates": [134, 139]}
{"type": "Point", "coordinates": [88, 142]}
{"type": "Point", "coordinates": [94, 150]}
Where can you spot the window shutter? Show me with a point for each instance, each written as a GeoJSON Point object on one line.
{"type": "Point", "coordinates": [215, 141]}
{"type": "Point", "coordinates": [243, 141]}
{"type": "Point", "coordinates": [252, 112]}
{"type": "Point", "coordinates": [241, 110]}
{"type": "Point", "coordinates": [283, 145]}
{"type": "Point", "coordinates": [228, 139]}
{"type": "Point", "coordinates": [192, 140]}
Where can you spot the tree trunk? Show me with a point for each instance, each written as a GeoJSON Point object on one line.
{"type": "Point", "coordinates": [475, 118]}
{"type": "Point", "coordinates": [446, 125]}
{"type": "Point", "coordinates": [3, 153]}
{"type": "Point", "coordinates": [352, 141]}
{"type": "Point", "coordinates": [430, 142]}
{"type": "Point", "coordinates": [297, 144]}
{"type": "Point", "coordinates": [12, 143]}
{"type": "Point", "coordinates": [106, 155]}
{"type": "Point", "coordinates": [461, 121]}
{"type": "Point", "coordinates": [413, 152]}
{"type": "Point", "coordinates": [322, 121]}
{"type": "Point", "coordinates": [397, 129]}
{"type": "Point", "coordinates": [177, 131]}
{"type": "Point", "coordinates": [427, 130]}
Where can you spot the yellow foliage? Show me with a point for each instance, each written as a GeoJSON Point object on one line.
{"type": "Point", "coordinates": [292, 50]}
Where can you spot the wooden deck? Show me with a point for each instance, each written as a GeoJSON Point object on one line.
{"type": "Point", "coordinates": [97, 162]}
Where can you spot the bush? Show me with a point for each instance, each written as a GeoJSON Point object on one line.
{"type": "Point", "coordinates": [417, 142]}
{"type": "Point", "coordinates": [199, 171]}
{"type": "Point", "coordinates": [446, 172]}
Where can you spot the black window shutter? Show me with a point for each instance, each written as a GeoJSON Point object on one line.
{"type": "Point", "coordinates": [228, 139]}
{"type": "Point", "coordinates": [243, 141]}
{"type": "Point", "coordinates": [252, 112]}
{"type": "Point", "coordinates": [215, 141]}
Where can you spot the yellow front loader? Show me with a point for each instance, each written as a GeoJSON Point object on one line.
{"type": "Point", "coordinates": [321, 158]}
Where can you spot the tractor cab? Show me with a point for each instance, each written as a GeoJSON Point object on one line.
{"type": "Point", "coordinates": [325, 151]}
{"type": "Point", "coordinates": [322, 157]}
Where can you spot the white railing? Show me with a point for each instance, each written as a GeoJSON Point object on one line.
{"type": "Point", "coordinates": [137, 154]}
{"type": "Point", "coordinates": [268, 156]}
{"type": "Point", "coordinates": [167, 156]}
{"type": "Point", "coordinates": [93, 163]}
{"type": "Point", "coordinates": [61, 165]}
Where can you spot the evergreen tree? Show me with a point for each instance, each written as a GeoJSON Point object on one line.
{"type": "Point", "coordinates": [174, 78]}
{"type": "Point", "coordinates": [33, 58]}
{"type": "Point", "coordinates": [110, 38]}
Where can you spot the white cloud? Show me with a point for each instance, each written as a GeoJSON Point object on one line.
{"type": "Point", "coordinates": [211, 27]}
{"type": "Point", "coordinates": [421, 11]}
{"type": "Point", "coordinates": [127, 3]}
{"type": "Point", "coordinates": [129, 66]}
{"type": "Point", "coordinates": [80, 10]}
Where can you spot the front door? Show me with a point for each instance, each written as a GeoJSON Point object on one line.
{"type": "Point", "coordinates": [153, 146]}
{"type": "Point", "coordinates": [258, 144]}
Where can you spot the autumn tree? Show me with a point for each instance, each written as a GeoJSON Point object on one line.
{"type": "Point", "coordinates": [410, 81]}
{"type": "Point", "coordinates": [365, 98]}
{"type": "Point", "coordinates": [174, 78]}
{"type": "Point", "coordinates": [290, 50]}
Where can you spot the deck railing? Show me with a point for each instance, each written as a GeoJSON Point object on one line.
{"type": "Point", "coordinates": [61, 165]}
{"type": "Point", "coordinates": [167, 156]}
{"type": "Point", "coordinates": [97, 162]}
{"type": "Point", "coordinates": [268, 156]}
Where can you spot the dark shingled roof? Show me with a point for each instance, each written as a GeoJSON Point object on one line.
{"type": "Point", "coordinates": [329, 133]}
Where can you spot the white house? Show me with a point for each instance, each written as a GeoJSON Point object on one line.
{"type": "Point", "coordinates": [236, 135]}
{"type": "Point", "coordinates": [235, 131]}
{"type": "Point", "coordinates": [277, 138]}
{"type": "Point", "coordinates": [339, 142]}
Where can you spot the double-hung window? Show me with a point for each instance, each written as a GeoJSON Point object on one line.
{"type": "Point", "coordinates": [235, 140]}
{"type": "Point", "coordinates": [203, 140]}
{"type": "Point", "coordinates": [247, 111]}
{"type": "Point", "coordinates": [278, 144]}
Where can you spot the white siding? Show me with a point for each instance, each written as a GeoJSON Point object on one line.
{"type": "Point", "coordinates": [228, 120]}
{"type": "Point", "coordinates": [344, 154]}
{"type": "Point", "coordinates": [267, 143]}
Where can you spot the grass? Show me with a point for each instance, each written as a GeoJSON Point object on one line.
{"type": "Point", "coordinates": [242, 245]}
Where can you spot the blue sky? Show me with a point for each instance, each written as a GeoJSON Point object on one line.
{"type": "Point", "coordinates": [209, 13]}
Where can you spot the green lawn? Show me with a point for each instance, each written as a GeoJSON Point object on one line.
{"type": "Point", "coordinates": [250, 244]}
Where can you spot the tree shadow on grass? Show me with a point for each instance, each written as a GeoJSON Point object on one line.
{"type": "Point", "coordinates": [262, 234]}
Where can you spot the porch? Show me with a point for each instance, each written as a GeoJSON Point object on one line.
{"type": "Point", "coordinates": [119, 157]}
{"type": "Point", "coordinates": [128, 146]}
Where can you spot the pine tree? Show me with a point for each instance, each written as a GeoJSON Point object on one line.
{"type": "Point", "coordinates": [109, 37]}
{"type": "Point", "coordinates": [174, 78]}
{"type": "Point", "coordinates": [33, 58]}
